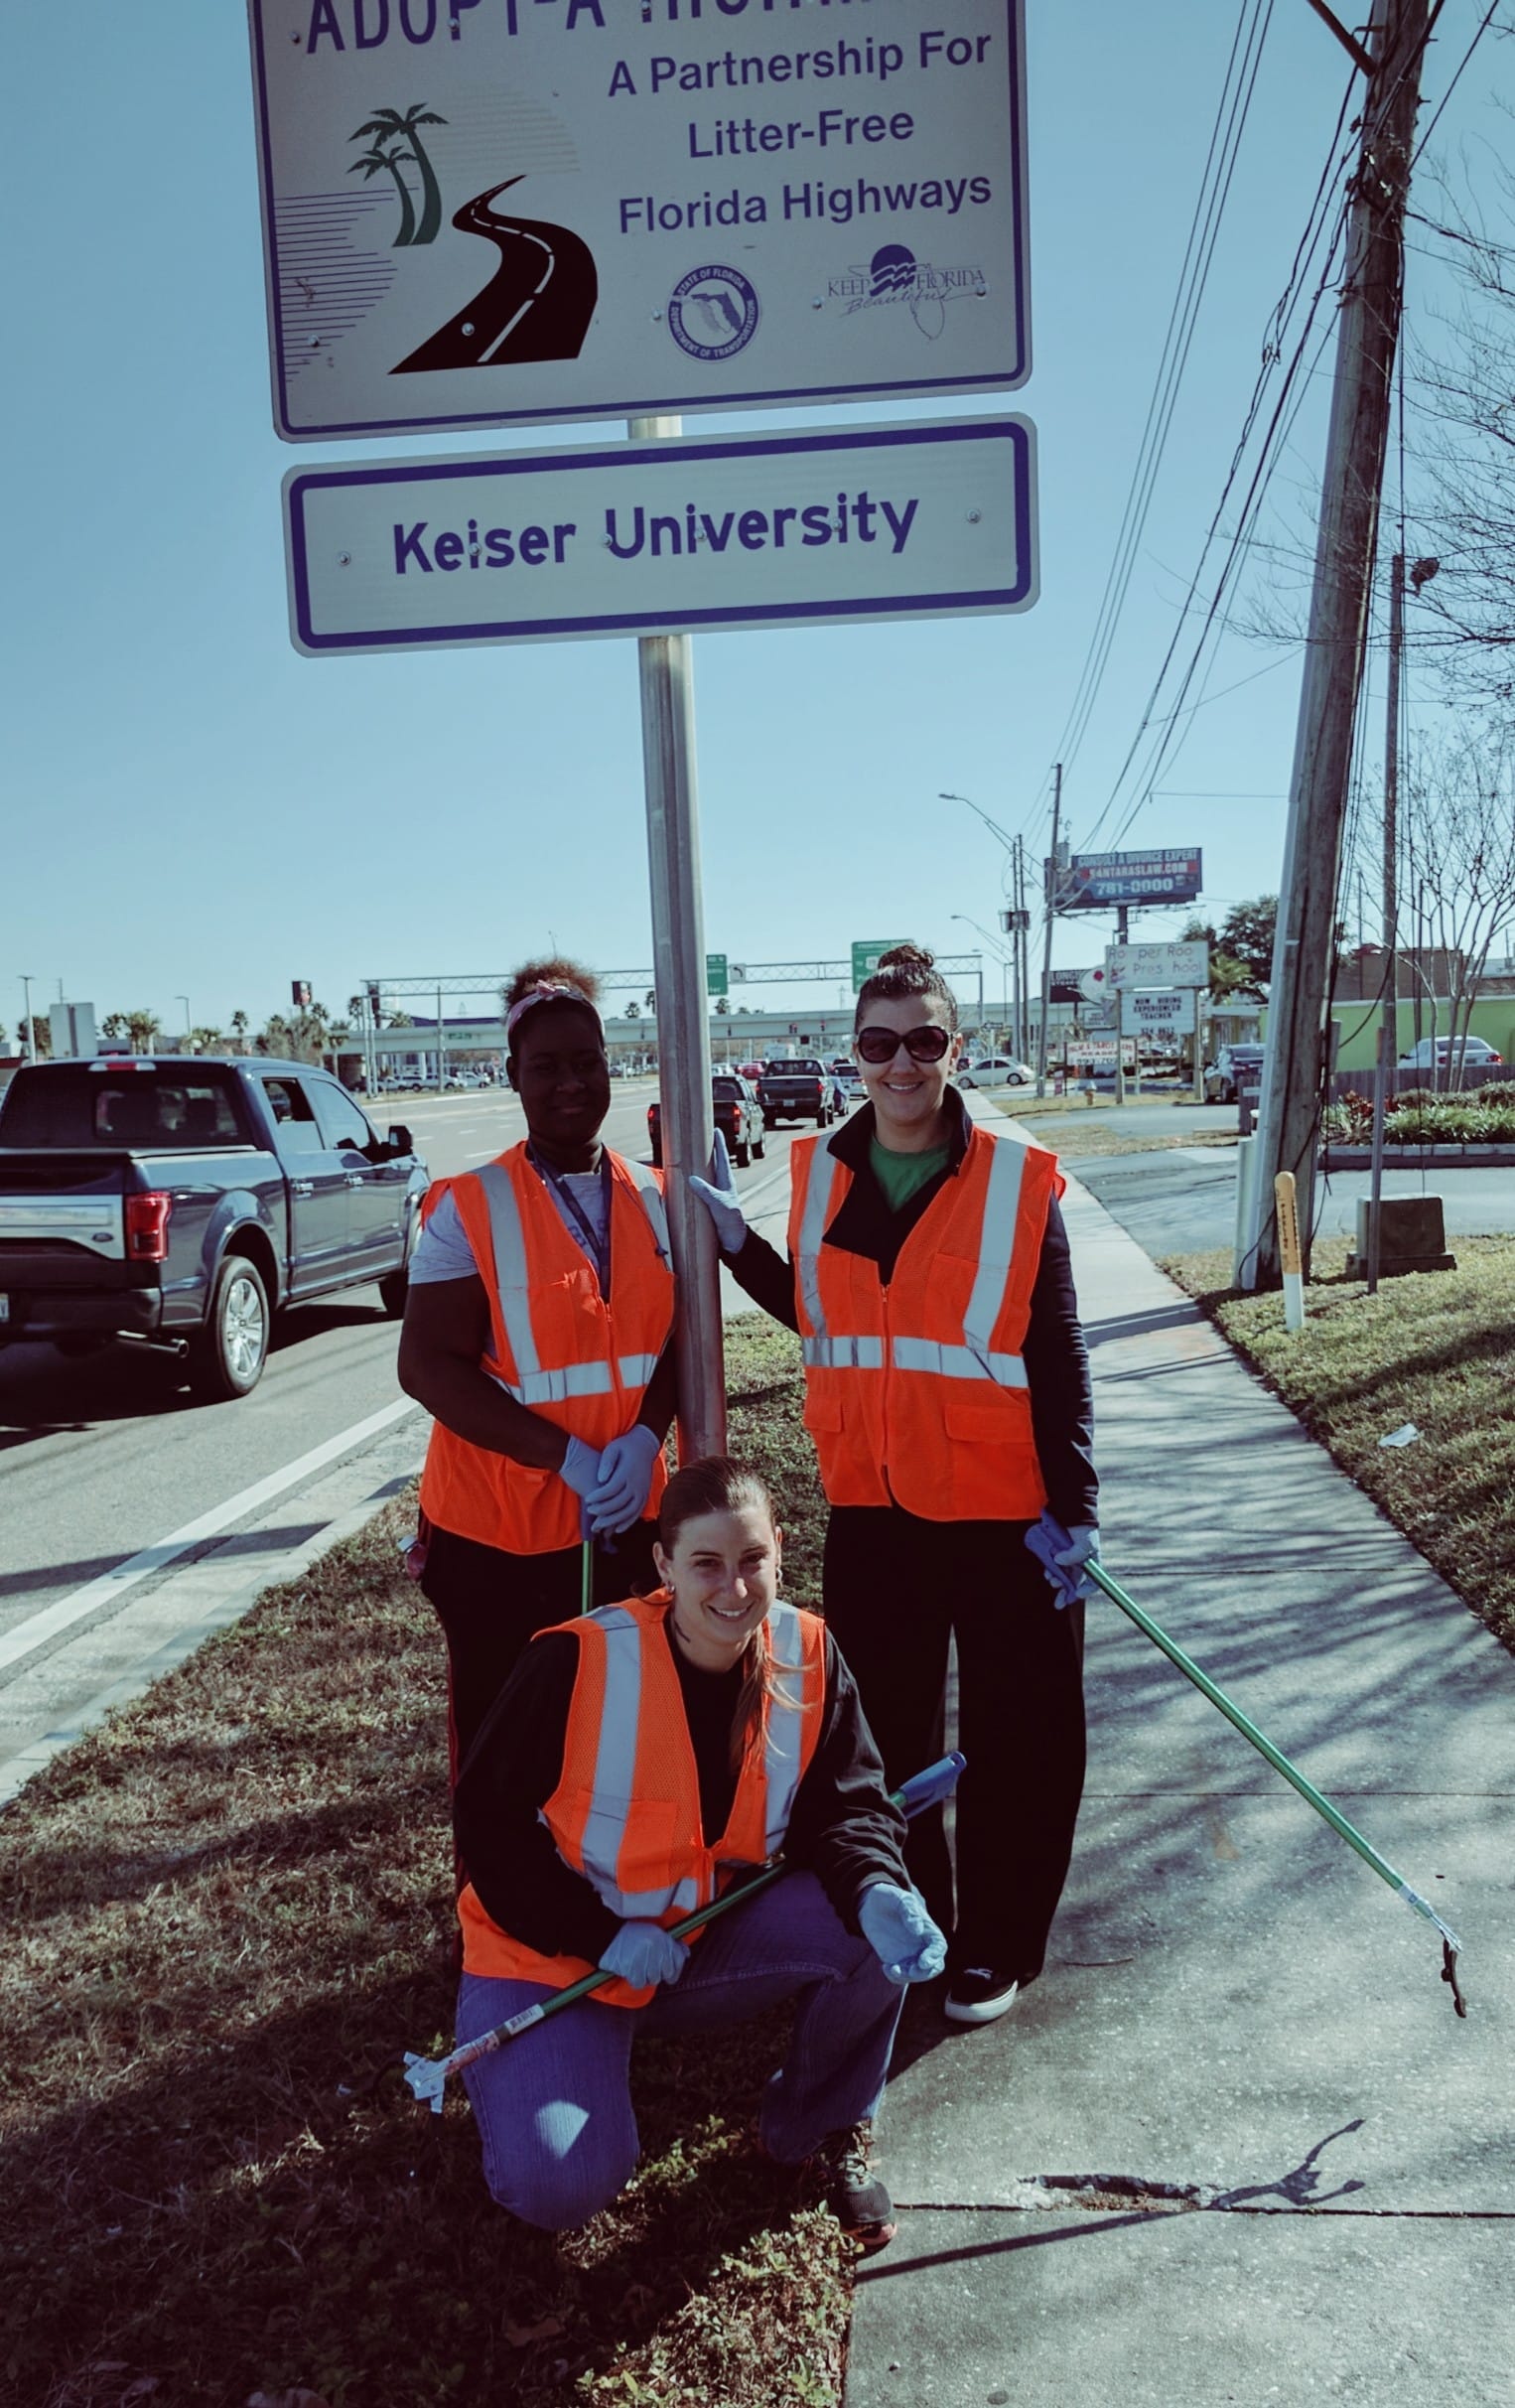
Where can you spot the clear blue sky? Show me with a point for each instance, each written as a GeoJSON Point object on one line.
{"type": "Point", "coordinates": [194, 810]}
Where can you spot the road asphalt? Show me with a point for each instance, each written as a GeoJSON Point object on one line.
{"type": "Point", "coordinates": [1234, 2145]}
{"type": "Point", "coordinates": [1183, 1200]}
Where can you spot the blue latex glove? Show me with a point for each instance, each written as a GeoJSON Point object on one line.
{"type": "Point", "coordinates": [625, 1476]}
{"type": "Point", "coordinates": [718, 1194]}
{"type": "Point", "coordinates": [901, 1934]}
{"type": "Point", "coordinates": [643, 1955]}
{"type": "Point", "coordinates": [581, 1467]}
{"type": "Point", "coordinates": [1063, 1554]}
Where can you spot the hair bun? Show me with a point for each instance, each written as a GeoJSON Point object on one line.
{"type": "Point", "coordinates": [557, 972]}
{"type": "Point", "coordinates": [901, 957]}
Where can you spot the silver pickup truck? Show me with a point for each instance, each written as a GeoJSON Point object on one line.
{"type": "Point", "coordinates": [177, 1203]}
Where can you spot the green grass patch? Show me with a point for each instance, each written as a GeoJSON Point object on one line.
{"type": "Point", "coordinates": [1436, 1348]}
{"type": "Point", "coordinates": [1082, 1131]}
{"type": "Point", "coordinates": [224, 1912]}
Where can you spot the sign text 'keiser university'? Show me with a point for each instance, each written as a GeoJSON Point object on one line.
{"type": "Point", "coordinates": [647, 538]}
{"type": "Point", "coordinates": [480, 211]}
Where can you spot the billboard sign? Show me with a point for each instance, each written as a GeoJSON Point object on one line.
{"type": "Point", "coordinates": [1099, 882]}
{"type": "Point", "coordinates": [493, 211]}
{"type": "Point", "coordinates": [1184, 964]}
{"type": "Point", "coordinates": [654, 538]}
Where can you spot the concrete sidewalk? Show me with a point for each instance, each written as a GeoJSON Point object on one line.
{"type": "Point", "coordinates": [1234, 2145]}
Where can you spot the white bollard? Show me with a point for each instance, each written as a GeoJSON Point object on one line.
{"type": "Point", "coordinates": [1289, 1260]}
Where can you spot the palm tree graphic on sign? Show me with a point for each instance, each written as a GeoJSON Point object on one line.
{"type": "Point", "coordinates": [372, 161]}
{"type": "Point", "coordinates": [387, 125]}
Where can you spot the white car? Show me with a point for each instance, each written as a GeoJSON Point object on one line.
{"type": "Point", "coordinates": [995, 1071]}
{"type": "Point", "coordinates": [1442, 1050]}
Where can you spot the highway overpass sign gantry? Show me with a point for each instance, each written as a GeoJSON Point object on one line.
{"type": "Point", "coordinates": [485, 212]}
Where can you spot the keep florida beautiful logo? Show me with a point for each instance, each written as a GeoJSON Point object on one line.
{"type": "Point", "coordinates": [896, 279]}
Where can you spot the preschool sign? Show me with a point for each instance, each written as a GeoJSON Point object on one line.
{"type": "Point", "coordinates": [485, 212]}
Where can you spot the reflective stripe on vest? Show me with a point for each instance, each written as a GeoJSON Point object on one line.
{"type": "Point", "coordinates": [818, 1193]}
{"type": "Point", "coordinates": [844, 1353]}
{"type": "Point", "coordinates": [537, 1383]}
{"type": "Point", "coordinates": [616, 1760]}
{"type": "Point", "coordinates": [997, 1241]}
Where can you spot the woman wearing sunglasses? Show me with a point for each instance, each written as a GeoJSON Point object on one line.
{"type": "Point", "coordinates": [947, 1392]}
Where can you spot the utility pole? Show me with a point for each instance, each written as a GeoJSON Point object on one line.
{"type": "Point", "coordinates": [1022, 1045]}
{"type": "Point", "coordinates": [1121, 937]}
{"type": "Point", "coordinates": [1053, 889]}
{"type": "Point", "coordinates": [1352, 483]}
{"type": "Point", "coordinates": [1388, 1023]}
{"type": "Point", "coordinates": [28, 1033]}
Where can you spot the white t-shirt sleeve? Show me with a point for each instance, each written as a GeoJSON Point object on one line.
{"type": "Point", "coordinates": [442, 1250]}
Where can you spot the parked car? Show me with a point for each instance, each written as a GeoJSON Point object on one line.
{"type": "Point", "coordinates": [795, 1091]}
{"type": "Point", "coordinates": [1234, 1068]}
{"type": "Point", "coordinates": [738, 1115]}
{"type": "Point", "coordinates": [179, 1206]}
{"type": "Point", "coordinates": [995, 1071]}
{"type": "Point", "coordinates": [1447, 1051]}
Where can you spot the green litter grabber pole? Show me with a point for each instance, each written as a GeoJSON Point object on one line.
{"type": "Point", "coordinates": [427, 2075]}
{"type": "Point", "coordinates": [1047, 1539]}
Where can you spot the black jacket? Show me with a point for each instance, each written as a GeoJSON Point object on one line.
{"type": "Point", "coordinates": [1056, 1358]}
{"type": "Point", "coordinates": [843, 1826]}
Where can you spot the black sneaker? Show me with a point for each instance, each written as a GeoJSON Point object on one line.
{"type": "Point", "coordinates": [978, 1995]}
{"type": "Point", "coordinates": [855, 2195]}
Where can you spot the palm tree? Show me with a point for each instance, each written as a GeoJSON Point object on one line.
{"type": "Point", "coordinates": [142, 1027]}
{"type": "Point", "coordinates": [632, 1011]}
{"type": "Point", "coordinates": [113, 1025]}
{"type": "Point", "coordinates": [387, 125]}
{"type": "Point", "coordinates": [650, 1001]}
{"type": "Point", "coordinates": [238, 1030]}
{"type": "Point", "coordinates": [370, 163]}
{"type": "Point", "coordinates": [205, 1041]}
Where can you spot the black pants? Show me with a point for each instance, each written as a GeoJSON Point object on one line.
{"type": "Point", "coordinates": [490, 1604]}
{"type": "Point", "coordinates": [895, 1589]}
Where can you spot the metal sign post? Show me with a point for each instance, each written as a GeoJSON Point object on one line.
{"type": "Point", "coordinates": [666, 664]}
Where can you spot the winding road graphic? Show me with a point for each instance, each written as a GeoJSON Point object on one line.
{"type": "Point", "coordinates": [537, 305]}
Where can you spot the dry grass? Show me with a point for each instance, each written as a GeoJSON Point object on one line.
{"type": "Point", "coordinates": [226, 1910]}
{"type": "Point", "coordinates": [1436, 1348]}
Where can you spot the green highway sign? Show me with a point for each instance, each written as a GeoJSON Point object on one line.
{"type": "Point", "coordinates": [717, 981]}
{"type": "Point", "coordinates": [866, 955]}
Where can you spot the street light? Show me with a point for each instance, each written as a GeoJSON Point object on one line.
{"type": "Point", "coordinates": [1015, 877]}
{"type": "Point", "coordinates": [188, 1031]}
{"type": "Point", "coordinates": [28, 1033]}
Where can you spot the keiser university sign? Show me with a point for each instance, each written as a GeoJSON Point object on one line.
{"type": "Point", "coordinates": [480, 211]}
{"type": "Point", "coordinates": [650, 537]}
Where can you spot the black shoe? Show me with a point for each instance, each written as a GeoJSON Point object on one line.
{"type": "Point", "coordinates": [979, 1995]}
{"type": "Point", "coordinates": [855, 2195]}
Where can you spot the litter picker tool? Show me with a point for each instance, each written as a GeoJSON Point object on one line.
{"type": "Point", "coordinates": [428, 2075]}
{"type": "Point", "coordinates": [1045, 1543]}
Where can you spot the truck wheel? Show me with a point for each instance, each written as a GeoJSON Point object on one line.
{"type": "Point", "coordinates": [823, 1118]}
{"type": "Point", "coordinates": [393, 1289]}
{"type": "Point", "coordinates": [231, 1349]}
{"type": "Point", "coordinates": [743, 1154]}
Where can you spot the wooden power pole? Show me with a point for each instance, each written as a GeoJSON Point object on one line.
{"type": "Point", "coordinates": [1352, 481]}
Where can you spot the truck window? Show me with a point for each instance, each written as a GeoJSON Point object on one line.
{"type": "Point", "coordinates": [341, 1123]}
{"type": "Point", "coordinates": [295, 1125]}
{"type": "Point", "coordinates": [70, 1104]}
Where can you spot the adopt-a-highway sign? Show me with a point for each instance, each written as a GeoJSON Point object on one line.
{"type": "Point", "coordinates": [656, 537]}
{"type": "Point", "coordinates": [480, 211]}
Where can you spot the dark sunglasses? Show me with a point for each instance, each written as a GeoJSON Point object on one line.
{"type": "Point", "coordinates": [925, 1043]}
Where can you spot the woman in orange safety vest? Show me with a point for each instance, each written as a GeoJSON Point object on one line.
{"type": "Point", "coordinates": [639, 1758]}
{"type": "Point", "coordinates": [947, 1394]}
{"type": "Point", "coordinates": [538, 1335]}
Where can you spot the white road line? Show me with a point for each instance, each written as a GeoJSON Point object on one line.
{"type": "Point", "coordinates": [66, 1610]}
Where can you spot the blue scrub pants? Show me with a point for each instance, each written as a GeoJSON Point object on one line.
{"type": "Point", "coordinates": [554, 2108]}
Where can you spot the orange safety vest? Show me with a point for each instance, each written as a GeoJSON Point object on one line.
{"type": "Point", "coordinates": [917, 1394]}
{"type": "Point", "coordinates": [554, 1345]}
{"type": "Point", "coordinates": [625, 1812]}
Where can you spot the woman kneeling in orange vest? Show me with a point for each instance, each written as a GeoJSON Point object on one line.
{"type": "Point", "coordinates": [537, 1332]}
{"type": "Point", "coordinates": [947, 1394]}
{"type": "Point", "coordinates": [640, 1756]}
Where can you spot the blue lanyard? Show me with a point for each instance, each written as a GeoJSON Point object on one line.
{"type": "Point", "coordinates": [597, 1249]}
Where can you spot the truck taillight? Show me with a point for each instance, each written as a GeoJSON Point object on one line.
{"type": "Point", "coordinates": [147, 1226]}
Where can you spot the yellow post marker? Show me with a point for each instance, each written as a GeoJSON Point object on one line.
{"type": "Point", "coordinates": [1291, 1262]}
